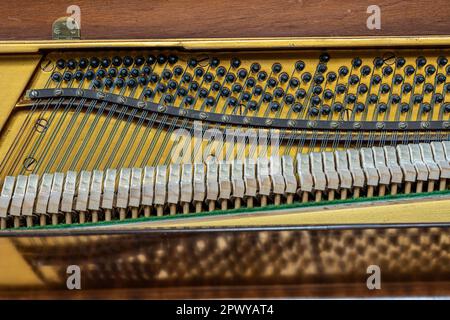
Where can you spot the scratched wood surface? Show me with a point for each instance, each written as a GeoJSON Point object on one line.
{"type": "Point", "coordinates": [132, 19]}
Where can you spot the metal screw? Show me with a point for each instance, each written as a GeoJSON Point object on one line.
{"type": "Point", "coordinates": [380, 125]}
{"type": "Point", "coordinates": [425, 125]}
{"type": "Point", "coordinates": [141, 104]}
{"type": "Point", "coordinates": [403, 125]}
{"type": "Point", "coordinates": [357, 125]}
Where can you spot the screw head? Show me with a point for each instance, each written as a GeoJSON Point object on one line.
{"type": "Point", "coordinates": [403, 125]}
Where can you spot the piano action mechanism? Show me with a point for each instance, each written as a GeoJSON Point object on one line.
{"type": "Point", "coordinates": [263, 130]}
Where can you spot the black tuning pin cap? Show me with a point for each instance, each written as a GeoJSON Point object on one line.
{"type": "Point", "coordinates": [343, 71]}
{"type": "Point", "coordinates": [79, 75]}
{"type": "Point", "coordinates": [321, 68]}
{"type": "Point", "coordinates": [56, 76]}
{"type": "Point", "coordinates": [447, 108]}
{"type": "Point", "coordinates": [328, 94]}
{"type": "Point", "coordinates": [203, 93]}
{"type": "Point", "coordinates": [398, 79]}
{"type": "Point", "coordinates": [210, 101]}
{"type": "Point", "coordinates": [168, 98]}
{"type": "Point", "coordinates": [214, 62]}
{"type": "Point", "coordinates": [354, 79]}
{"type": "Point", "coordinates": [362, 88]}
{"type": "Point", "coordinates": [172, 59]}
{"type": "Point", "coordinates": [400, 62]}
{"type": "Point", "coordinates": [276, 67]}
{"type": "Point", "coordinates": [430, 70]}
{"type": "Point", "coordinates": [300, 94]}
{"type": "Point", "coordinates": [356, 62]}
{"type": "Point", "coordinates": [331, 77]}
{"type": "Point", "coordinates": [279, 92]}
{"type": "Point", "coordinates": [71, 64]}
{"type": "Point", "coordinates": [378, 62]}
{"type": "Point", "coordinates": [325, 110]}
{"type": "Point", "coordinates": [315, 100]}
{"type": "Point", "coordinates": [90, 75]}
{"type": "Point", "coordinates": [109, 82]}
{"type": "Point", "coordinates": [274, 106]}
{"type": "Point", "coordinates": [338, 107]}
{"type": "Point", "coordinates": [148, 93]}
{"type": "Point", "coordinates": [428, 88]}
{"type": "Point", "coordinates": [317, 90]}
{"type": "Point", "coordinates": [360, 107]}
{"type": "Point", "coordinates": [221, 71]}
{"type": "Point", "coordinates": [83, 63]}
{"type": "Point", "coordinates": [419, 79]}
{"type": "Point", "coordinates": [131, 83]}
{"type": "Point", "coordinates": [97, 84]}
{"type": "Point", "coordinates": [365, 71]}
{"type": "Point", "coordinates": [139, 61]}
{"type": "Point", "coordinates": [376, 79]}
{"type": "Point", "coordinates": [373, 98]}
{"type": "Point", "coordinates": [426, 107]}
{"type": "Point", "coordinates": [61, 64]}
{"type": "Point", "coordinates": [252, 105]}
{"type": "Point", "coordinates": [232, 102]}
{"type": "Point", "coordinates": [272, 82]}
{"type": "Point", "coordinates": [407, 88]}
{"type": "Point", "coordinates": [189, 100]}
{"type": "Point", "coordinates": [440, 78]}
{"type": "Point", "coordinates": [313, 111]}
{"type": "Point", "coordinates": [242, 73]}
{"type": "Point", "coordinates": [418, 99]}
{"type": "Point", "coordinates": [385, 88]}
{"type": "Point", "coordinates": [95, 62]}
{"type": "Point", "coordinates": [161, 59]}
{"type": "Point", "coordinates": [151, 60]}
{"type": "Point", "coordinates": [387, 71]}
{"type": "Point", "coordinates": [246, 96]}
{"type": "Point", "coordinates": [294, 83]}
{"type": "Point", "coordinates": [306, 77]}
{"type": "Point", "coordinates": [395, 99]}
{"type": "Point", "coordinates": [199, 72]}
{"type": "Point", "coordinates": [340, 89]}
{"type": "Point", "coordinates": [284, 77]}
{"type": "Point", "coordinates": [192, 62]}
{"type": "Point", "coordinates": [324, 57]}
{"type": "Point", "coordinates": [250, 82]}
{"type": "Point", "coordinates": [299, 66]}
{"type": "Point", "coordinates": [438, 98]}
{"type": "Point", "coordinates": [409, 70]}
{"type": "Point", "coordinates": [235, 63]}
{"type": "Point", "coordinates": [289, 99]}
{"type": "Point", "coordinates": [116, 61]}
{"type": "Point", "coordinates": [267, 97]}
{"type": "Point", "coordinates": [404, 107]}
{"type": "Point", "coordinates": [351, 98]}
{"type": "Point", "coordinates": [421, 61]}
{"type": "Point", "coordinates": [382, 107]}
{"type": "Point", "coordinates": [442, 61]}
{"type": "Point", "coordinates": [255, 67]}
{"type": "Point", "coordinates": [127, 61]}
{"type": "Point", "coordinates": [297, 107]}
{"type": "Point", "coordinates": [67, 76]}
{"type": "Point", "coordinates": [262, 76]}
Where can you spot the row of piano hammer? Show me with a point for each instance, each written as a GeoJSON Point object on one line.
{"type": "Point", "coordinates": [200, 186]}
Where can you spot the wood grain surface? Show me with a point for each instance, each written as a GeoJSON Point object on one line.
{"type": "Point", "coordinates": [133, 19]}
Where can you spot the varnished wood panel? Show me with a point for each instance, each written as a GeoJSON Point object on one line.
{"type": "Point", "coordinates": [28, 19]}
